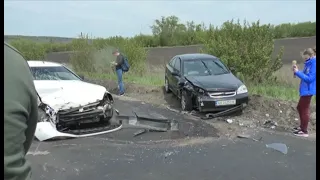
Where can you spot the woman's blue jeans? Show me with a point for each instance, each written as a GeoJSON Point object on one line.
{"type": "Point", "coordinates": [120, 82]}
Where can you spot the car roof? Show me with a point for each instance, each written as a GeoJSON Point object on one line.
{"type": "Point", "coordinates": [33, 63]}
{"type": "Point", "coordinates": [185, 57]}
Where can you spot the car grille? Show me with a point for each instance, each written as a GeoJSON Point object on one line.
{"type": "Point", "coordinates": [86, 114]}
{"type": "Point", "coordinates": [222, 94]}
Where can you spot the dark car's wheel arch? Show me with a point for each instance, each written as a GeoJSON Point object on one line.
{"type": "Point", "coordinates": [166, 85]}
{"type": "Point", "coordinates": [186, 97]}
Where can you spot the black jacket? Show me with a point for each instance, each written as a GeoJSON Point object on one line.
{"type": "Point", "coordinates": [119, 61]}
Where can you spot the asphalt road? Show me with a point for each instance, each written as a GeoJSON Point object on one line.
{"type": "Point", "coordinates": [204, 155]}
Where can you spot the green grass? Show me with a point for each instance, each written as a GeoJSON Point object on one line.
{"type": "Point", "coordinates": [275, 91]}
{"type": "Point", "coordinates": [147, 80]}
{"type": "Point", "coordinates": [282, 92]}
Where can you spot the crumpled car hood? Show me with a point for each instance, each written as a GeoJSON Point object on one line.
{"type": "Point", "coordinates": [217, 82]}
{"type": "Point", "coordinates": [67, 94]}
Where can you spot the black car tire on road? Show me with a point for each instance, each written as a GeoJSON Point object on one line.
{"type": "Point", "coordinates": [166, 85]}
{"type": "Point", "coordinates": [185, 101]}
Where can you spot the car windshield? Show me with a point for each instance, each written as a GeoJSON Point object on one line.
{"type": "Point", "coordinates": [204, 67]}
{"type": "Point", "coordinates": [52, 73]}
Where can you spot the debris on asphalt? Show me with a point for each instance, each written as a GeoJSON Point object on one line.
{"type": "Point", "coordinates": [222, 113]}
{"type": "Point", "coordinates": [229, 121]}
{"type": "Point", "coordinates": [278, 147]}
{"type": "Point", "coordinates": [169, 153]}
{"type": "Point", "coordinates": [174, 110]}
{"type": "Point", "coordinates": [142, 131]}
{"type": "Point", "coordinates": [267, 115]}
{"type": "Point", "coordinates": [248, 137]}
{"type": "Point", "coordinates": [116, 110]}
{"type": "Point", "coordinates": [270, 124]}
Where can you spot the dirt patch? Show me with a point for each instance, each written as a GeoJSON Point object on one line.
{"type": "Point", "coordinates": [261, 111]}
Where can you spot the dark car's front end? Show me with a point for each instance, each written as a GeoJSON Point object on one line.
{"type": "Point", "coordinates": [218, 93]}
{"type": "Point", "coordinates": [220, 100]}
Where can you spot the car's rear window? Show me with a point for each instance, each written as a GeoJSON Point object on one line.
{"type": "Point", "coordinates": [53, 73]}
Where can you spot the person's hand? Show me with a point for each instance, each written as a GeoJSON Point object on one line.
{"type": "Point", "coordinates": [295, 68]}
{"type": "Point", "coordinates": [113, 63]}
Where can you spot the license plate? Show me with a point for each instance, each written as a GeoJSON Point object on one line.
{"type": "Point", "coordinates": [225, 103]}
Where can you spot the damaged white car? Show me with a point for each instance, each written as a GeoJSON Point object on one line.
{"type": "Point", "coordinates": [68, 106]}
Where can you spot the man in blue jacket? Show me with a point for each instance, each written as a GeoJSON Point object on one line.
{"type": "Point", "coordinates": [307, 90]}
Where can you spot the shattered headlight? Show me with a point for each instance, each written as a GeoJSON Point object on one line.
{"type": "Point", "coordinates": [242, 89]}
{"type": "Point", "coordinates": [42, 116]}
{"type": "Point", "coordinates": [197, 89]}
{"type": "Point", "coordinates": [201, 90]}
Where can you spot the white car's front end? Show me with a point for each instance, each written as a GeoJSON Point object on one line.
{"type": "Point", "coordinates": [72, 107]}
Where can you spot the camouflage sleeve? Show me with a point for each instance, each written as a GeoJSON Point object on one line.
{"type": "Point", "coordinates": [20, 114]}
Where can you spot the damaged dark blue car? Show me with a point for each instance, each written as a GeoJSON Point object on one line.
{"type": "Point", "coordinates": [204, 83]}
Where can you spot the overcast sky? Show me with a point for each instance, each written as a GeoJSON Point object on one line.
{"type": "Point", "coordinates": [128, 18]}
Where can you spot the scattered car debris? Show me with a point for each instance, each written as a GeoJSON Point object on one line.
{"type": "Point", "coordinates": [278, 147]}
{"type": "Point", "coordinates": [222, 113]}
{"type": "Point", "coordinates": [173, 110]}
{"type": "Point", "coordinates": [149, 124]}
{"type": "Point", "coordinates": [270, 124]}
{"type": "Point", "coordinates": [248, 137]}
{"type": "Point", "coordinates": [139, 132]}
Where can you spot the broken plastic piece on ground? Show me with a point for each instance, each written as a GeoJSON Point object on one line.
{"type": "Point", "coordinates": [278, 147]}
{"type": "Point", "coordinates": [270, 124]}
{"type": "Point", "coordinates": [248, 137]}
{"type": "Point", "coordinates": [149, 123]}
{"type": "Point", "coordinates": [117, 111]}
{"type": "Point", "coordinates": [142, 131]}
{"type": "Point", "coordinates": [222, 113]}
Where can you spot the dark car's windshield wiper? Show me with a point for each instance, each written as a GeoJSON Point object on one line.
{"type": "Point", "coordinates": [206, 67]}
{"type": "Point", "coordinates": [225, 71]}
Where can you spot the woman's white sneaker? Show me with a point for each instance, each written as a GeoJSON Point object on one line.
{"type": "Point", "coordinates": [301, 134]}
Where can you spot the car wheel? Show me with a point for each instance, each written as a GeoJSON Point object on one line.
{"type": "Point", "coordinates": [186, 102]}
{"type": "Point", "coordinates": [166, 85]}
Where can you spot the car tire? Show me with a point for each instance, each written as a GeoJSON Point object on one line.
{"type": "Point", "coordinates": [166, 86]}
{"type": "Point", "coordinates": [185, 101]}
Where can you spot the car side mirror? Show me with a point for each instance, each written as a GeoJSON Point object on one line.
{"type": "Point", "coordinates": [174, 74]}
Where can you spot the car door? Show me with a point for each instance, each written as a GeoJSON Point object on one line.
{"type": "Point", "coordinates": [169, 70]}
{"type": "Point", "coordinates": [177, 76]}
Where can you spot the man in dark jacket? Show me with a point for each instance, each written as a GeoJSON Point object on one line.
{"type": "Point", "coordinates": [20, 114]}
{"type": "Point", "coordinates": [119, 71]}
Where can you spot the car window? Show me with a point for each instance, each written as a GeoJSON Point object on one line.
{"type": "Point", "coordinates": [216, 67]}
{"type": "Point", "coordinates": [204, 67]}
{"type": "Point", "coordinates": [52, 73]}
{"type": "Point", "coordinates": [172, 62]}
{"type": "Point", "coordinates": [177, 64]}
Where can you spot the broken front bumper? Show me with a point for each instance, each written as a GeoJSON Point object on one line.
{"type": "Point", "coordinates": [209, 104]}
